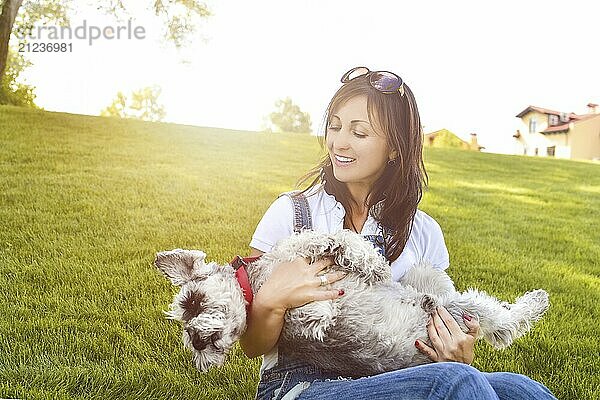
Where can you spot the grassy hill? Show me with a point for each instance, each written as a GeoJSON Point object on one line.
{"type": "Point", "coordinates": [85, 202]}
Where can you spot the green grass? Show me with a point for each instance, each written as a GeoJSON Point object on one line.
{"type": "Point", "coordinates": [85, 202]}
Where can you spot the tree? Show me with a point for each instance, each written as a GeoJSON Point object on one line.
{"type": "Point", "coordinates": [144, 105]}
{"type": "Point", "coordinates": [32, 12]}
{"type": "Point", "coordinates": [8, 14]}
{"type": "Point", "coordinates": [11, 90]}
{"type": "Point", "coordinates": [289, 118]}
{"type": "Point", "coordinates": [178, 16]}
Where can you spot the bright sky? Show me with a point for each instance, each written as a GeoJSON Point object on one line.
{"type": "Point", "coordinates": [472, 65]}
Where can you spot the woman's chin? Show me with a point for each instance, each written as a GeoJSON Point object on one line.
{"type": "Point", "coordinates": [342, 177]}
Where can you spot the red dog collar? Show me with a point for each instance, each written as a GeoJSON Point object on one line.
{"type": "Point", "coordinates": [240, 264]}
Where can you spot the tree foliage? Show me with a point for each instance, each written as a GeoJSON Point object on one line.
{"type": "Point", "coordinates": [179, 17]}
{"type": "Point", "coordinates": [12, 63]}
{"type": "Point", "coordinates": [11, 90]}
{"type": "Point", "coordinates": [288, 117]}
{"type": "Point", "coordinates": [34, 12]}
{"type": "Point", "coordinates": [142, 104]}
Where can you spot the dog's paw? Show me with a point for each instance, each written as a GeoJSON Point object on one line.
{"type": "Point", "coordinates": [428, 303]}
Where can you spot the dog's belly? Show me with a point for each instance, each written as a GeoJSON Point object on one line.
{"type": "Point", "coordinates": [374, 331]}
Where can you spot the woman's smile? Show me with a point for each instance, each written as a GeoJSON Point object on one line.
{"type": "Point", "coordinates": [343, 162]}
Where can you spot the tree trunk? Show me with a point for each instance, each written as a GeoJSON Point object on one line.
{"type": "Point", "coordinates": [7, 19]}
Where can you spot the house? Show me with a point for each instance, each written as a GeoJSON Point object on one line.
{"type": "Point", "coordinates": [559, 134]}
{"type": "Point", "coordinates": [445, 138]}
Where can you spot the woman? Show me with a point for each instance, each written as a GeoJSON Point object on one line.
{"type": "Point", "coordinates": [371, 182]}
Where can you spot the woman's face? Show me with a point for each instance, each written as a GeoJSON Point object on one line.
{"type": "Point", "coordinates": [358, 153]}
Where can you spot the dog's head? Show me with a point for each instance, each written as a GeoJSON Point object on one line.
{"type": "Point", "coordinates": [210, 304]}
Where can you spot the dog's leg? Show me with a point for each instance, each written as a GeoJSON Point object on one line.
{"type": "Point", "coordinates": [312, 320]}
{"type": "Point", "coordinates": [355, 255]}
{"type": "Point", "coordinates": [429, 280]}
{"type": "Point", "coordinates": [500, 325]}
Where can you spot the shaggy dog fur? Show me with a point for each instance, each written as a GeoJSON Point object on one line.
{"type": "Point", "coordinates": [369, 330]}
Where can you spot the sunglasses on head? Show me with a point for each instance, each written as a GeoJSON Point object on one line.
{"type": "Point", "coordinates": [384, 81]}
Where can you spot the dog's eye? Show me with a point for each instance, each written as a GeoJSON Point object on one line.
{"type": "Point", "coordinates": [192, 305]}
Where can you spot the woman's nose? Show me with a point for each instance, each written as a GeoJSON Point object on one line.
{"type": "Point", "coordinates": [341, 140]}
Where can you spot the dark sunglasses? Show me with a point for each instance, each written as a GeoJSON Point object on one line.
{"type": "Point", "coordinates": [384, 81]}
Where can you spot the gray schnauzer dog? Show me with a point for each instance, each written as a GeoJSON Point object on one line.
{"type": "Point", "coordinates": [369, 330]}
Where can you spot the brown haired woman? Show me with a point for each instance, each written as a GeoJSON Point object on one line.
{"type": "Point", "coordinates": [371, 182]}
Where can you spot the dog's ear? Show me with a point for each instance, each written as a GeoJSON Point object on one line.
{"type": "Point", "coordinates": [180, 266]}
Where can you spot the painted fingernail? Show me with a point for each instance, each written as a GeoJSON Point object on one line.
{"type": "Point", "coordinates": [341, 292]}
{"type": "Point", "coordinates": [417, 343]}
{"type": "Point", "coordinates": [465, 316]}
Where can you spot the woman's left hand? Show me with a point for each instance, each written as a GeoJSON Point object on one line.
{"type": "Point", "coordinates": [449, 342]}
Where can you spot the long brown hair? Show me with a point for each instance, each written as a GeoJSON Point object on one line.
{"type": "Point", "coordinates": [400, 186]}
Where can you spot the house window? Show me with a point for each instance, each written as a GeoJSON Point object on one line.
{"type": "Point", "coordinates": [550, 150]}
{"type": "Point", "coordinates": [553, 119]}
{"type": "Point", "coordinates": [532, 125]}
{"type": "Point", "coordinates": [536, 151]}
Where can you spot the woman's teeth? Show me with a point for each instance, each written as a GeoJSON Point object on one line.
{"type": "Point", "coordinates": [344, 159]}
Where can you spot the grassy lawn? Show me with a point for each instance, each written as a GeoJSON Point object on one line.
{"type": "Point", "coordinates": [85, 202]}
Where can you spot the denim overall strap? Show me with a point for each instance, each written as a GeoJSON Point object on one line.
{"type": "Point", "coordinates": [378, 242]}
{"type": "Point", "coordinates": [302, 217]}
{"type": "Point", "coordinates": [379, 239]}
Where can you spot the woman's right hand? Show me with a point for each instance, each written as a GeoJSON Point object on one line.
{"type": "Point", "coordinates": [293, 284]}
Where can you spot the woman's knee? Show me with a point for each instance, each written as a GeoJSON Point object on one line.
{"type": "Point", "coordinates": [509, 385]}
{"type": "Point", "coordinates": [457, 380]}
{"type": "Point", "coordinates": [456, 369]}
{"type": "Point", "coordinates": [463, 375]}
{"type": "Point", "coordinates": [510, 379]}
{"type": "Point", "coordinates": [454, 372]}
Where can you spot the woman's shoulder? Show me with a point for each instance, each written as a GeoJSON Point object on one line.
{"type": "Point", "coordinates": [316, 197]}
{"type": "Point", "coordinates": [317, 190]}
{"type": "Point", "coordinates": [426, 242]}
{"type": "Point", "coordinates": [425, 229]}
{"type": "Point", "coordinates": [424, 222]}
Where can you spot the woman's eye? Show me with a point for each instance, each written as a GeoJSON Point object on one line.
{"type": "Point", "coordinates": [356, 133]}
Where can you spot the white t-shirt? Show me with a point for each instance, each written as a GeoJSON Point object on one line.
{"type": "Point", "coordinates": [425, 243]}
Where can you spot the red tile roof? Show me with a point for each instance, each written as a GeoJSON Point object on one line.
{"type": "Point", "coordinates": [557, 128]}
{"type": "Point", "coordinates": [544, 111]}
{"type": "Point", "coordinates": [565, 127]}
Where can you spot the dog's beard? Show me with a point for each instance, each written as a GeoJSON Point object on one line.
{"type": "Point", "coordinates": [207, 359]}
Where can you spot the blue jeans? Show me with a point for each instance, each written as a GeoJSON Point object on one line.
{"type": "Point", "coordinates": [444, 380]}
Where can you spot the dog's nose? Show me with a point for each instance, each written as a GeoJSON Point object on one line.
{"type": "Point", "coordinates": [198, 341]}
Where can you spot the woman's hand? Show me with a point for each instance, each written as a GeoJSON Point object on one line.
{"type": "Point", "coordinates": [293, 284]}
{"type": "Point", "coordinates": [449, 342]}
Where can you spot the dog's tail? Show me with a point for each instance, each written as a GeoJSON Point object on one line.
{"type": "Point", "coordinates": [502, 323]}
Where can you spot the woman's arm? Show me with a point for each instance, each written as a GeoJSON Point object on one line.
{"type": "Point", "coordinates": [291, 284]}
{"type": "Point", "coordinates": [263, 324]}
